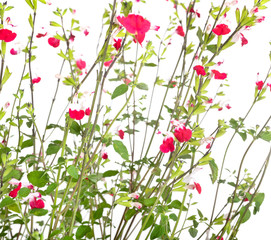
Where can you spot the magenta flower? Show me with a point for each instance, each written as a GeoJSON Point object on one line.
{"type": "Point", "coordinates": [36, 80]}
{"type": "Point", "coordinates": [104, 153]}
{"type": "Point", "coordinates": [136, 205]}
{"type": "Point", "coordinates": [182, 133]}
{"type": "Point", "coordinates": [135, 24]}
{"type": "Point", "coordinates": [53, 42]}
{"type": "Point", "coordinates": [76, 114]}
{"type": "Point", "coordinates": [200, 70]}
{"type": "Point", "coordinates": [40, 35]}
{"type": "Point", "coordinates": [133, 195]}
{"type": "Point", "coordinates": [259, 84]}
{"type": "Point", "coordinates": [80, 64]}
{"type": "Point", "coordinates": [121, 134]}
{"type": "Point", "coordinates": [13, 51]}
{"type": "Point", "coordinates": [7, 35]}
{"type": "Point", "coordinates": [179, 31]}
{"type": "Point", "coordinates": [167, 145]}
{"type": "Point", "coordinates": [218, 75]}
{"type": "Point", "coordinates": [35, 200]}
{"type": "Point", "coordinates": [15, 191]}
{"type": "Point", "coordinates": [221, 29]}
{"type": "Point", "coordinates": [117, 44]}
{"type": "Point", "coordinates": [244, 41]}
{"type": "Point", "coordinates": [87, 111]}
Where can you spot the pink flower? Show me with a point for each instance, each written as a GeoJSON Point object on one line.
{"type": "Point", "coordinates": [36, 80]}
{"type": "Point", "coordinates": [13, 52]}
{"type": "Point", "coordinates": [40, 35]}
{"type": "Point", "coordinates": [269, 85]}
{"type": "Point", "coordinates": [220, 238]}
{"type": "Point", "coordinates": [195, 12]}
{"type": "Point", "coordinates": [182, 133]}
{"type": "Point", "coordinates": [104, 153]}
{"type": "Point", "coordinates": [15, 191]}
{"type": "Point", "coordinates": [76, 114]}
{"type": "Point", "coordinates": [200, 70]}
{"type": "Point", "coordinates": [108, 63]}
{"type": "Point", "coordinates": [16, 182]}
{"type": "Point", "coordinates": [221, 29]}
{"type": "Point", "coordinates": [126, 81]}
{"type": "Point", "coordinates": [218, 75]}
{"type": "Point", "coordinates": [228, 106]}
{"type": "Point", "coordinates": [80, 64]}
{"type": "Point", "coordinates": [155, 28]}
{"type": "Point", "coordinates": [117, 44]}
{"type": "Point", "coordinates": [208, 146]}
{"type": "Point", "coordinates": [135, 24]}
{"type": "Point", "coordinates": [7, 35]}
{"type": "Point", "coordinates": [179, 31]}
{"type": "Point", "coordinates": [34, 203]}
{"type": "Point", "coordinates": [136, 204]}
{"type": "Point", "coordinates": [121, 134]}
{"type": "Point", "coordinates": [194, 186]}
{"type": "Point", "coordinates": [260, 19]}
{"type": "Point", "coordinates": [87, 111]}
{"type": "Point", "coordinates": [53, 42]}
{"type": "Point", "coordinates": [168, 144]}
{"type": "Point", "coordinates": [254, 10]}
{"type": "Point", "coordinates": [220, 109]}
{"type": "Point", "coordinates": [210, 100]}
{"type": "Point", "coordinates": [133, 195]}
{"type": "Point", "coordinates": [86, 32]}
{"type": "Point", "coordinates": [259, 84]}
{"type": "Point", "coordinates": [244, 41]}
{"type": "Point", "coordinates": [71, 37]}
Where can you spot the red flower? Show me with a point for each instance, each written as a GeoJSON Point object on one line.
{"type": "Point", "coordinates": [72, 37]}
{"type": "Point", "coordinates": [87, 111]}
{"type": "Point", "coordinates": [269, 85]}
{"type": "Point", "coordinates": [218, 75]}
{"type": "Point", "coordinates": [244, 41]}
{"type": "Point", "coordinates": [195, 12]}
{"type": "Point", "coordinates": [34, 203]}
{"type": "Point", "coordinates": [259, 84]}
{"type": "Point", "coordinates": [167, 145]}
{"type": "Point", "coordinates": [40, 35]}
{"type": "Point", "coordinates": [208, 146]}
{"type": "Point", "coordinates": [86, 32]}
{"type": "Point", "coordinates": [182, 134]}
{"type": "Point", "coordinates": [260, 19]}
{"type": "Point", "coordinates": [7, 35]}
{"type": "Point", "coordinates": [75, 114]}
{"type": "Point", "coordinates": [117, 44]}
{"type": "Point", "coordinates": [121, 134]}
{"type": "Point", "coordinates": [221, 29]}
{"type": "Point", "coordinates": [179, 31]}
{"type": "Point", "coordinates": [200, 70]}
{"type": "Point", "coordinates": [36, 80]}
{"type": "Point", "coordinates": [108, 63]}
{"type": "Point", "coordinates": [15, 191]}
{"type": "Point", "coordinates": [80, 64]}
{"type": "Point", "coordinates": [198, 187]}
{"type": "Point", "coordinates": [13, 52]}
{"type": "Point", "coordinates": [228, 106]}
{"type": "Point", "coordinates": [53, 42]}
{"type": "Point", "coordinates": [135, 24]}
{"type": "Point", "coordinates": [220, 109]}
{"type": "Point", "coordinates": [220, 238]}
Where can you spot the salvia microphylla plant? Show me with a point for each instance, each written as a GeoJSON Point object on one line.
{"type": "Point", "coordinates": [122, 158]}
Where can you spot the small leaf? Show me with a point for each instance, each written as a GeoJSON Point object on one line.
{"type": "Point", "coordinates": [193, 232]}
{"type": "Point", "coordinates": [51, 188]}
{"type": "Point", "coordinates": [73, 171]}
{"type": "Point", "coordinates": [27, 143]}
{"type": "Point", "coordinates": [214, 170]}
{"type": "Point", "coordinates": [247, 214]}
{"type": "Point", "coordinates": [7, 74]}
{"type": "Point", "coordinates": [38, 178]}
{"type": "Point", "coordinates": [38, 212]}
{"type": "Point", "coordinates": [82, 231]}
{"type": "Point", "coordinates": [120, 90]}
{"type": "Point", "coordinates": [149, 201]}
{"type": "Point", "coordinates": [120, 148]}
{"type": "Point", "coordinates": [265, 136]}
{"type": "Point", "coordinates": [110, 173]}
{"type": "Point", "coordinates": [24, 192]}
{"type": "Point", "coordinates": [130, 213]}
{"type": "Point", "coordinates": [142, 86]}
{"type": "Point", "coordinates": [157, 232]}
{"type": "Point", "coordinates": [54, 24]}
{"type": "Point", "coordinates": [6, 202]}
{"type": "Point", "coordinates": [149, 222]}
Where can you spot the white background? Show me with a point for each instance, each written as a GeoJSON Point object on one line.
{"type": "Point", "coordinates": [241, 63]}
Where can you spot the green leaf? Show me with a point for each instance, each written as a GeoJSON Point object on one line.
{"type": "Point", "coordinates": [53, 148]}
{"type": "Point", "coordinates": [27, 143]}
{"type": "Point", "coordinates": [38, 211]}
{"type": "Point", "coordinates": [258, 202]}
{"type": "Point", "coordinates": [149, 201]}
{"type": "Point", "coordinates": [120, 90]}
{"type": "Point", "coordinates": [6, 202]}
{"type": "Point", "coordinates": [6, 76]}
{"type": "Point", "coordinates": [3, 47]}
{"type": "Point", "coordinates": [110, 173]}
{"type": "Point", "coordinates": [247, 214]}
{"type": "Point", "coordinates": [205, 160]}
{"type": "Point", "coordinates": [265, 136]}
{"type": "Point", "coordinates": [193, 232]}
{"type": "Point", "coordinates": [120, 148]}
{"type": "Point", "coordinates": [98, 213]}
{"type": "Point", "coordinates": [177, 205]}
{"type": "Point", "coordinates": [212, 48]}
{"type": "Point", "coordinates": [157, 232]}
{"type": "Point", "coordinates": [35, 4]}
{"type": "Point", "coordinates": [142, 86]}
{"type": "Point", "coordinates": [51, 188]}
{"type": "Point", "coordinates": [200, 34]}
{"type": "Point", "coordinates": [214, 170]}
{"type": "Point", "coordinates": [38, 178]}
{"type": "Point", "coordinates": [29, 3]}
{"type": "Point", "coordinates": [73, 171]}
{"type": "Point", "coordinates": [43, 1]}
{"type": "Point", "coordinates": [30, 20]}
{"type": "Point", "coordinates": [24, 192]}
{"type": "Point", "coordinates": [82, 231]}
{"type": "Point", "coordinates": [130, 213]}
{"type": "Point", "coordinates": [61, 54]}
{"type": "Point", "coordinates": [149, 222]}
{"type": "Point", "coordinates": [54, 24]}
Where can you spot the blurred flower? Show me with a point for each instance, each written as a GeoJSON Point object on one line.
{"type": "Point", "coordinates": [182, 133]}
{"type": "Point", "coordinates": [104, 153]}
{"type": "Point", "coordinates": [179, 31]}
{"type": "Point", "coordinates": [133, 195]}
{"type": "Point", "coordinates": [15, 191]}
{"type": "Point", "coordinates": [53, 42]}
{"type": "Point", "coordinates": [117, 44]}
{"type": "Point", "coordinates": [135, 24]}
{"type": "Point", "coordinates": [200, 70]}
{"type": "Point", "coordinates": [36, 80]}
{"type": "Point", "coordinates": [76, 114]}
{"type": "Point", "coordinates": [7, 35]}
{"type": "Point", "coordinates": [40, 35]}
{"type": "Point", "coordinates": [80, 64]}
{"type": "Point", "coordinates": [218, 75]}
{"type": "Point", "coordinates": [168, 144]}
{"type": "Point", "coordinates": [259, 84]}
{"type": "Point", "coordinates": [87, 111]}
{"type": "Point", "coordinates": [221, 29]}
{"type": "Point", "coordinates": [136, 204]}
